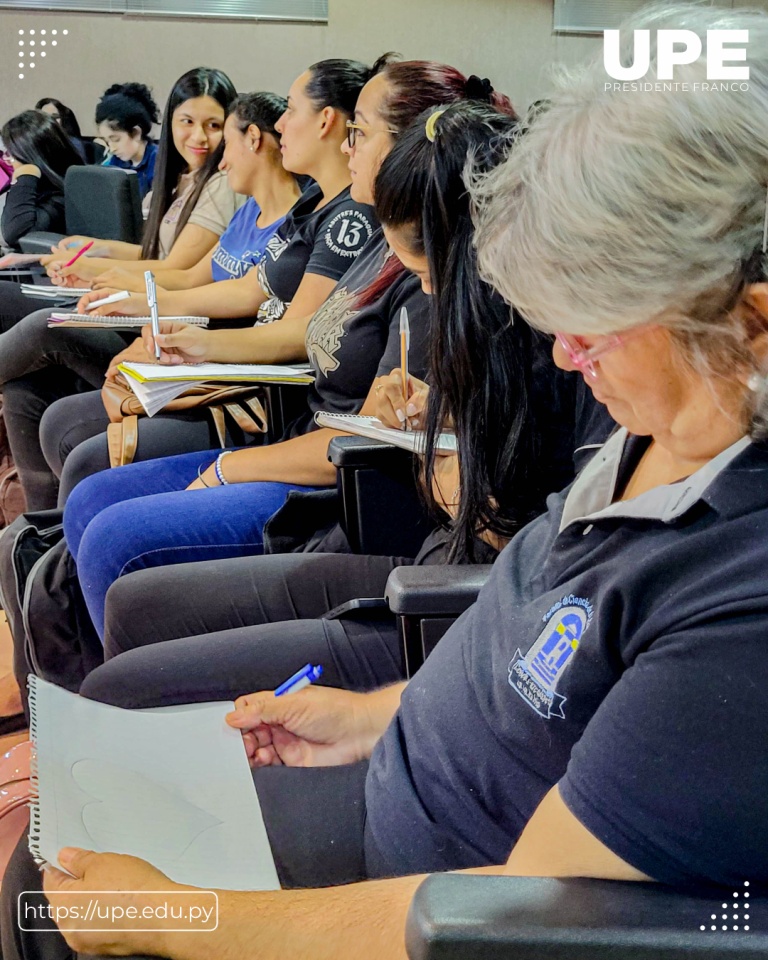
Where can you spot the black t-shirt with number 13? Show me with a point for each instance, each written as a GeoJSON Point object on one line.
{"type": "Point", "coordinates": [325, 242]}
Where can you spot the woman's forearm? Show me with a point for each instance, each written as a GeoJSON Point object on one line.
{"type": "Point", "coordinates": [278, 342]}
{"type": "Point", "coordinates": [301, 460]}
{"type": "Point", "coordinates": [227, 298]}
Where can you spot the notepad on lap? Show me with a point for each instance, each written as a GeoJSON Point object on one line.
{"type": "Point", "coordinates": [170, 785]}
{"type": "Point", "coordinates": [413, 440]}
{"type": "Point", "coordinates": [126, 323]}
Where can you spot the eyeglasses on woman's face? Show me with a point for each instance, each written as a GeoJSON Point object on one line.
{"type": "Point", "coordinates": [583, 357]}
{"type": "Point", "coordinates": [355, 131]}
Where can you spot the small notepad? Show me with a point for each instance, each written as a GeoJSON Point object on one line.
{"type": "Point", "coordinates": [413, 440]}
{"type": "Point", "coordinates": [171, 785]}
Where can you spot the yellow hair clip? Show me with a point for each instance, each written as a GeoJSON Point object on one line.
{"type": "Point", "coordinates": [431, 127]}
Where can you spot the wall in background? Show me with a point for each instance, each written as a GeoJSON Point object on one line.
{"type": "Point", "coordinates": [510, 41]}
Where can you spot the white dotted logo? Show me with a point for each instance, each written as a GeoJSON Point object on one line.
{"type": "Point", "coordinates": [740, 908]}
{"type": "Point", "coordinates": [30, 41]}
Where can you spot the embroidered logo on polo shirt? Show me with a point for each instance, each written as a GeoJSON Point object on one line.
{"type": "Point", "coordinates": [536, 675]}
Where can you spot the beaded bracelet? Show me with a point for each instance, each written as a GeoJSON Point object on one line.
{"type": "Point", "coordinates": [217, 468]}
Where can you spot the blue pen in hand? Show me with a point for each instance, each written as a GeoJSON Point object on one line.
{"type": "Point", "coordinates": [299, 680]}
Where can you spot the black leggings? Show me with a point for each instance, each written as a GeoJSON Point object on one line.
{"type": "Point", "coordinates": [37, 367]}
{"type": "Point", "coordinates": [316, 824]}
{"type": "Point", "coordinates": [217, 630]}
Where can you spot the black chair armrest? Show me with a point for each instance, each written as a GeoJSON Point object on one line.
{"type": "Point", "coordinates": [436, 590]}
{"type": "Point", "coordinates": [382, 511]}
{"type": "Point", "coordinates": [39, 241]}
{"type": "Point", "coordinates": [464, 917]}
{"type": "Point", "coordinates": [362, 452]}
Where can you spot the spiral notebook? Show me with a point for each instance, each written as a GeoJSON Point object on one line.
{"type": "Point", "coordinates": [171, 785]}
{"type": "Point", "coordinates": [52, 292]}
{"type": "Point", "coordinates": [118, 322]}
{"type": "Point", "coordinates": [413, 440]}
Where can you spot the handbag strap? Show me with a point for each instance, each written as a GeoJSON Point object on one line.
{"type": "Point", "coordinates": [122, 440]}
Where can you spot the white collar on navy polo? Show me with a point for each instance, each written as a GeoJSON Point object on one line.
{"type": "Point", "coordinates": [590, 497]}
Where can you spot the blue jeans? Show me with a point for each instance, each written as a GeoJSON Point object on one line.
{"type": "Point", "coordinates": [141, 515]}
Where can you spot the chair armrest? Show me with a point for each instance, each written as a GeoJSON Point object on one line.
{"type": "Point", "coordinates": [40, 242]}
{"type": "Point", "coordinates": [464, 917]}
{"type": "Point", "coordinates": [435, 590]}
{"type": "Point", "coordinates": [362, 452]}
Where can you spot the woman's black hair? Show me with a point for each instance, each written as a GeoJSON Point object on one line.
{"type": "Point", "coordinates": [337, 84]}
{"type": "Point", "coordinates": [34, 137]}
{"type": "Point", "coordinates": [126, 106]}
{"type": "Point", "coordinates": [169, 165]}
{"type": "Point", "coordinates": [481, 358]}
{"type": "Point", "coordinates": [67, 119]}
{"type": "Point", "coordinates": [261, 109]}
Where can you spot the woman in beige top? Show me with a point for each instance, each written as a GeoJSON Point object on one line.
{"type": "Point", "coordinates": [191, 202]}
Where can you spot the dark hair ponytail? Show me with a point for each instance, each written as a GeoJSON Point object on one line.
{"type": "Point", "coordinates": [67, 119]}
{"type": "Point", "coordinates": [126, 106]}
{"type": "Point", "coordinates": [261, 109]}
{"type": "Point", "coordinates": [200, 82]}
{"type": "Point", "coordinates": [337, 84]}
{"type": "Point", "coordinates": [34, 137]}
{"type": "Point", "coordinates": [480, 358]}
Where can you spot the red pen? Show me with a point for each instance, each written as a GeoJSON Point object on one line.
{"type": "Point", "coordinates": [79, 253]}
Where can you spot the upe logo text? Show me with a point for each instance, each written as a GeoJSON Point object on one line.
{"type": "Point", "coordinates": [677, 47]}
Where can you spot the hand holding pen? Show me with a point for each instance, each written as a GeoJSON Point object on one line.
{"type": "Point", "coordinates": [395, 406]}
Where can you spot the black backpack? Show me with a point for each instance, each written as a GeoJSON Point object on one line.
{"type": "Point", "coordinates": [53, 635]}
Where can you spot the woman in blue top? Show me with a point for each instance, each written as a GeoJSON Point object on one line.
{"type": "Point", "coordinates": [124, 117]}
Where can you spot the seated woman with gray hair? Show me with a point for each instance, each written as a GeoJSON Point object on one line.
{"type": "Point", "coordinates": [602, 710]}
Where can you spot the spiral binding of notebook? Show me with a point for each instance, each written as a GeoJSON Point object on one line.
{"type": "Point", "coordinates": [34, 802]}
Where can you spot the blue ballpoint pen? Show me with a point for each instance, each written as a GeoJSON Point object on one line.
{"type": "Point", "coordinates": [299, 680]}
{"type": "Point", "coordinates": [149, 280]}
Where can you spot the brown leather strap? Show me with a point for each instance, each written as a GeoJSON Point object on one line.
{"type": "Point", "coordinates": [217, 415]}
{"type": "Point", "coordinates": [242, 418]}
{"type": "Point", "coordinates": [261, 414]}
{"type": "Point", "coordinates": [130, 439]}
{"type": "Point", "coordinates": [115, 443]}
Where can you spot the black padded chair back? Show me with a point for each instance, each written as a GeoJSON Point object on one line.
{"type": "Point", "coordinates": [103, 202]}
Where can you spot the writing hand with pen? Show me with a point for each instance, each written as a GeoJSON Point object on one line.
{"type": "Point", "coordinates": [396, 407]}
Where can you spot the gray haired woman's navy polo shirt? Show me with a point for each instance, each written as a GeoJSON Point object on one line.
{"type": "Point", "coordinates": [620, 649]}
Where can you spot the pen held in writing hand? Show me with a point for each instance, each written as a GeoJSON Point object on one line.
{"type": "Point", "coordinates": [302, 678]}
{"type": "Point", "coordinates": [405, 342]}
{"type": "Point", "coordinates": [113, 298]}
{"type": "Point", "coordinates": [79, 254]}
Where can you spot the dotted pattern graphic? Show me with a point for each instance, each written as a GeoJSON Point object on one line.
{"type": "Point", "coordinates": [34, 44]}
{"type": "Point", "coordinates": [741, 913]}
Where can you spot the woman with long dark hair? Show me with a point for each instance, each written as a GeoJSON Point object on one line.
{"type": "Point", "coordinates": [63, 115]}
{"type": "Point", "coordinates": [40, 153]}
{"type": "Point", "coordinates": [125, 116]}
{"type": "Point", "coordinates": [190, 203]}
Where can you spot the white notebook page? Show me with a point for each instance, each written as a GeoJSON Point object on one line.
{"type": "Point", "coordinates": [170, 785]}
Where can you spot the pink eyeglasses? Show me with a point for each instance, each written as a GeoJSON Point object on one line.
{"type": "Point", "coordinates": [583, 358]}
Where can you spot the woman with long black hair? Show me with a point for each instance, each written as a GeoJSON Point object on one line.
{"type": "Point", "coordinates": [191, 202]}
{"type": "Point", "coordinates": [40, 153]}
{"type": "Point", "coordinates": [66, 119]}
{"type": "Point", "coordinates": [539, 419]}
